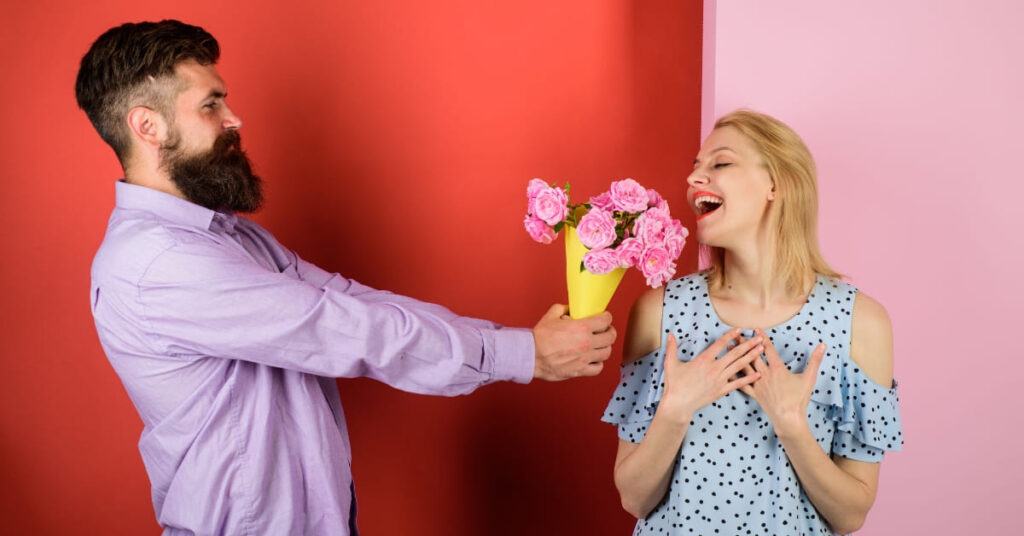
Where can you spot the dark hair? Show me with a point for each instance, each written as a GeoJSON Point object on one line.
{"type": "Point", "coordinates": [117, 73]}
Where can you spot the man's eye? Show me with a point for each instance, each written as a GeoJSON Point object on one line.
{"type": "Point", "coordinates": [210, 105]}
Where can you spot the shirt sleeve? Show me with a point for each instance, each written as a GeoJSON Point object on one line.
{"type": "Point", "coordinates": [202, 299]}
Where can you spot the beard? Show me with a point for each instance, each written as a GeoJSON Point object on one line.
{"type": "Point", "coordinates": [218, 179]}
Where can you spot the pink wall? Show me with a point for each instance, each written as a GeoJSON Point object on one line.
{"type": "Point", "coordinates": [913, 113]}
{"type": "Point", "coordinates": [436, 112]}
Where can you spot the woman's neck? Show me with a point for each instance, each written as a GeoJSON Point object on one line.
{"type": "Point", "coordinates": [749, 276]}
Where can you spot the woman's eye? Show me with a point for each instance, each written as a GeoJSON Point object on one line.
{"type": "Point", "coordinates": [722, 165]}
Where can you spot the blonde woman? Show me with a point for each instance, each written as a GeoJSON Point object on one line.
{"type": "Point", "coordinates": [757, 396]}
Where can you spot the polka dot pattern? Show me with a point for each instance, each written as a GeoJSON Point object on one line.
{"type": "Point", "coordinates": [732, 475]}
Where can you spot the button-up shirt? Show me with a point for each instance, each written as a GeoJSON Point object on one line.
{"type": "Point", "coordinates": [228, 345]}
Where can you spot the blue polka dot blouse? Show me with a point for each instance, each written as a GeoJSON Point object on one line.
{"type": "Point", "coordinates": [732, 475]}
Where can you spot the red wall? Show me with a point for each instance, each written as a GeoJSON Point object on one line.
{"type": "Point", "coordinates": [396, 139]}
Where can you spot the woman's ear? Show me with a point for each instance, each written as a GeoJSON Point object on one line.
{"type": "Point", "coordinates": [771, 193]}
{"type": "Point", "coordinates": [147, 126]}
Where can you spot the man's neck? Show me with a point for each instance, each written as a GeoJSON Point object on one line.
{"type": "Point", "coordinates": [151, 178]}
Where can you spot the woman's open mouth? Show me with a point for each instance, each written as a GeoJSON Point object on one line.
{"type": "Point", "coordinates": [706, 203]}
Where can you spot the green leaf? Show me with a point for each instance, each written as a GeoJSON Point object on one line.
{"type": "Point", "coordinates": [582, 267]}
{"type": "Point", "coordinates": [558, 226]}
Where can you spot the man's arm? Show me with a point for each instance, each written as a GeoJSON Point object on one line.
{"type": "Point", "coordinates": [564, 348]}
{"type": "Point", "coordinates": [201, 301]}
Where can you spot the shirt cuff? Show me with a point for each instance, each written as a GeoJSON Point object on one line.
{"type": "Point", "coordinates": [514, 355]}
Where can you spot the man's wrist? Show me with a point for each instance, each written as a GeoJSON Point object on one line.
{"type": "Point", "coordinates": [513, 355]}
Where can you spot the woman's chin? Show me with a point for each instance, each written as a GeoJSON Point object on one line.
{"type": "Point", "coordinates": [708, 238]}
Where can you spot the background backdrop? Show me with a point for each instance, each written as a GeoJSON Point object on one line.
{"type": "Point", "coordinates": [912, 110]}
{"type": "Point", "coordinates": [397, 138]}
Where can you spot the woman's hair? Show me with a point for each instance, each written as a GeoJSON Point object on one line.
{"type": "Point", "coordinates": [795, 207]}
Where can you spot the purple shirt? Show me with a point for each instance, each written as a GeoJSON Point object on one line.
{"type": "Point", "coordinates": [227, 343]}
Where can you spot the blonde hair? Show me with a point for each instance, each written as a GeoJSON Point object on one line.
{"type": "Point", "coordinates": [795, 207]}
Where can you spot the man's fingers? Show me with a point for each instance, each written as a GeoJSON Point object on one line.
{"type": "Point", "coordinates": [598, 323]}
{"type": "Point", "coordinates": [557, 311]}
{"type": "Point", "coordinates": [604, 339]}
{"type": "Point", "coordinates": [592, 369]}
{"type": "Point", "coordinates": [597, 355]}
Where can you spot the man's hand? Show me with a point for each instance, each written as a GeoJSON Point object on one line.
{"type": "Point", "coordinates": [567, 348]}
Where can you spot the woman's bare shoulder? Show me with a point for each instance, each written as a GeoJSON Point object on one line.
{"type": "Point", "coordinates": [871, 339]}
{"type": "Point", "coordinates": [643, 333]}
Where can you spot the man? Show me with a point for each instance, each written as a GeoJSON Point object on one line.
{"type": "Point", "coordinates": [227, 342]}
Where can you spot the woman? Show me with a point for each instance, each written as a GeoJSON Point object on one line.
{"type": "Point", "coordinates": [715, 438]}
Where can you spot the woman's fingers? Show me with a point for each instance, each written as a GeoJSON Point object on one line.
{"type": "Point", "coordinates": [739, 351]}
{"type": "Point", "coordinates": [743, 362]}
{"type": "Point", "coordinates": [742, 383]}
{"type": "Point", "coordinates": [671, 353]}
{"type": "Point", "coordinates": [814, 363]}
{"type": "Point", "coordinates": [721, 343]}
{"type": "Point", "coordinates": [769, 351]}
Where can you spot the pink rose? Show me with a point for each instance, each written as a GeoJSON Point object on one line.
{"type": "Point", "coordinates": [655, 200]}
{"type": "Point", "coordinates": [628, 196]}
{"type": "Point", "coordinates": [534, 187]}
{"type": "Point", "coordinates": [550, 205]}
{"type": "Point", "coordinates": [601, 261]}
{"type": "Point", "coordinates": [657, 266]}
{"type": "Point", "coordinates": [651, 227]}
{"type": "Point", "coordinates": [675, 238]}
{"type": "Point", "coordinates": [629, 252]}
{"type": "Point", "coordinates": [596, 229]}
{"type": "Point", "coordinates": [603, 202]}
{"type": "Point", "coordinates": [539, 230]}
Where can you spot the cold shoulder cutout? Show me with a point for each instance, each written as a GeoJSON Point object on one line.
{"type": "Point", "coordinates": [732, 475]}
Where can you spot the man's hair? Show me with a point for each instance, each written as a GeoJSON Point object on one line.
{"type": "Point", "coordinates": [132, 65]}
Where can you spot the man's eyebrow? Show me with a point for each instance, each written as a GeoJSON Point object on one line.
{"type": "Point", "coordinates": [217, 94]}
{"type": "Point", "coordinates": [717, 149]}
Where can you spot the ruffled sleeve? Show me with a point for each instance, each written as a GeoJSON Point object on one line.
{"type": "Point", "coordinates": [636, 398]}
{"type": "Point", "coordinates": [866, 414]}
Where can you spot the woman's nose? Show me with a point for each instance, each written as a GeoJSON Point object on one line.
{"type": "Point", "coordinates": [697, 178]}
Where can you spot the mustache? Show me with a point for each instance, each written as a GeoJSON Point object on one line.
{"type": "Point", "coordinates": [228, 141]}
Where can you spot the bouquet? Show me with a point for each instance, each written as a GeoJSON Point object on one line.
{"type": "Point", "coordinates": [627, 226]}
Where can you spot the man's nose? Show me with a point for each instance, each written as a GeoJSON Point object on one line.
{"type": "Point", "coordinates": [231, 121]}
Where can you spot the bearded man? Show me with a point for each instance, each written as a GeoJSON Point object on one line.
{"type": "Point", "coordinates": [226, 341]}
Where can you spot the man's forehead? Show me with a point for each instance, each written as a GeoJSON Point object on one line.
{"type": "Point", "coordinates": [197, 78]}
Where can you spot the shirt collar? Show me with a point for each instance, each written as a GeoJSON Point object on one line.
{"type": "Point", "coordinates": [169, 207]}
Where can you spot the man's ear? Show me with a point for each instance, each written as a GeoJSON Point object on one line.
{"type": "Point", "coordinates": [147, 126]}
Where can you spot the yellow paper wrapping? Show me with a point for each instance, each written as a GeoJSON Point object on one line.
{"type": "Point", "coordinates": [589, 294]}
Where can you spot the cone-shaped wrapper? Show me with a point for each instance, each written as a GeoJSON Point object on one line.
{"type": "Point", "coordinates": [589, 294]}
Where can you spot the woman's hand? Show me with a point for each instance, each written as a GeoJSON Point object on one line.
{"type": "Point", "coordinates": [696, 383]}
{"type": "Point", "coordinates": [783, 395]}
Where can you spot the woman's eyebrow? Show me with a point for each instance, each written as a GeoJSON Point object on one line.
{"type": "Point", "coordinates": [717, 149]}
